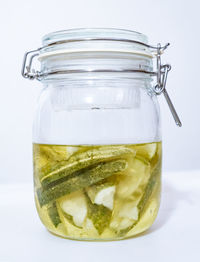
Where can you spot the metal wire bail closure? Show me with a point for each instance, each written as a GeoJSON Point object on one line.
{"type": "Point", "coordinates": [27, 71]}
{"type": "Point", "coordinates": [161, 71]}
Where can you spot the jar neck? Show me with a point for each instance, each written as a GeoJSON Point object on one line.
{"type": "Point", "coordinates": [98, 92]}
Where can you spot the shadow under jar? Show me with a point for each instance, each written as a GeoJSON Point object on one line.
{"type": "Point", "coordinates": [96, 135]}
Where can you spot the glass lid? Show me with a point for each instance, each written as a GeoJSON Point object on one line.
{"type": "Point", "coordinates": [94, 40]}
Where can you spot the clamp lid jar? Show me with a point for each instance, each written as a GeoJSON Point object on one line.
{"type": "Point", "coordinates": [96, 132]}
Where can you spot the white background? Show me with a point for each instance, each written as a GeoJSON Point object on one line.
{"type": "Point", "coordinates": [22, 25]}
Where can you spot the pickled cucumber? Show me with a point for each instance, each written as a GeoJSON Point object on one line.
{"type": "Point", "coordinates": [74, 208]}
{"type": "Point", "coordinates": [45, 155]}
{"type": "Point", "coordinates": [79, 161]}
{"type": "Point", "coordinates": [146, 193]}
{"type": "Point", "coordinates": [148, 151]}
{"type": "Point", "coordinates": [150, 186]}
{"type": "Point", "coordinates": [135, 178]}
{"type": "Point", "coordinates": [53, 214]}
{"type": "Point", "coordinates": [99, 214]}
{"type": "Point", "coordinates": [79, 180]}
{"type": "Point", "coordinates": [124, 216]}
{"type": "Point", "coordinates": [103, 193]}
{"type": "Point", "coordinates": [97, 192]}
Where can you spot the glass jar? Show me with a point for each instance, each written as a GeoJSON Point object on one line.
{"type": "Point", "coordinates": [96, 134]}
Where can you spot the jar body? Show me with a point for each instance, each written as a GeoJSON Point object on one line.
{"type": "Point", "coordinates": [97, 157]}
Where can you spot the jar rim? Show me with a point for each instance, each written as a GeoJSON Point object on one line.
{"type": "Point", "coordinates": [88, 33]}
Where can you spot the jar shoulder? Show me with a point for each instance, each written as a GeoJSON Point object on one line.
{"type": "Point", "coordinates": [90, 114]}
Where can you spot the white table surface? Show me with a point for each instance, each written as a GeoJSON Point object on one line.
{"type": "Point", "coordinates": [175, 235]}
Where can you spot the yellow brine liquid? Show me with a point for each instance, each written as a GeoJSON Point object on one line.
{"type": "Point", "coordinates": [98, 192]}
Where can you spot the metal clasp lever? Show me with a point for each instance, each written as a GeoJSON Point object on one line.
{"type": "Point", "coordinates": [162, 73]}
{"type": "Point", "coordinates": [27, 71]}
